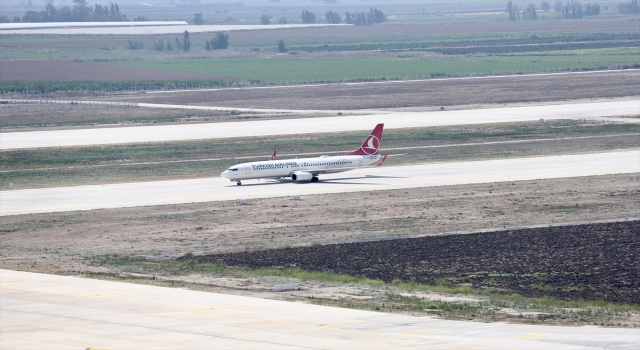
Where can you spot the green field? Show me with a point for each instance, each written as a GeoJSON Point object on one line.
{"type": "Point", "coordinates": [289, 69]}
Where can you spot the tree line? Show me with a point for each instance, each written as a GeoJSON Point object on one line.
{"type": "Point", "coordinates": [218, 42]}
{"type": "Point", "coordinates": [629, 8]}
{"type": "Point", "coordinates": [183, 44]}
{"type": "Point", "coordinates": [80, 12]}
{"type": "Point", "coordinates": [570, 10]}
{"type": "Point", "coordinates": [359, 18]}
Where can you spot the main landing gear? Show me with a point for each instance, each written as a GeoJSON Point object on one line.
{"type": "Point", "coordinates": [314, 179]}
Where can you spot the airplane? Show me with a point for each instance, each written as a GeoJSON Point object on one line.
{"type": "Point", "coordinates": [308, 169]}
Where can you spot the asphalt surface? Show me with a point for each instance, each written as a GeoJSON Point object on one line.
{"type": "Point", "coordinates": [119, 135]}
{"type": "Point", "coordinates": [14, 202]}
{"type": "Point", "coordinates": [62, 312]}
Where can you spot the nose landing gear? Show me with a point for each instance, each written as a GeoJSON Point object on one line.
{"type": "Point", "coordinates": [239, 183]}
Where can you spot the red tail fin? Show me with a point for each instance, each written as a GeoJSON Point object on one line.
{"type": "Point", "coordinates": [273, 156]}
{"type": "Point", "coordinates": [372, 144]}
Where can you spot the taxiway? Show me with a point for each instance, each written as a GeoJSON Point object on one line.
{"type": "Point", "coordinates": [119, 135]}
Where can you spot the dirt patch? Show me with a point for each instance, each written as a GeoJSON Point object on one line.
{"type": "Point", "coordinates": [446, 92]}
{"type": "Point", "coordinates": [585, 262]}
{"type": "Point", "coordinates": [26, 117]}
{"type": "Point", "coordinates": [62, 70]}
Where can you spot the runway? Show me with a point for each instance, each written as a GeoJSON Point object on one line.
{"type": "Point", "coordinates": [61, 312]}
{"type": "Point", "coordinates": [60, 199]}
{"type": "Point", "coordinates": [118, 135]}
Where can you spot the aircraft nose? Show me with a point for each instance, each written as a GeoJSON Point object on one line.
{"type": "Point", "coordinates": [225, 174]}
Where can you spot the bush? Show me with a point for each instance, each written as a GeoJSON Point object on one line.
{"type": "Point", "coordinates": [265, 19]}
{"type": "Point", "coordinates": [219, 42]}
{"type": "Point", "coordinates": [332, 17]}
{"type": "Point", "coordinates": [281, 47]}
{"type": "Point", "coordinates": [136, 45]}
{"type": "Point", "coordinates": [308, 17]}
{"type": "Point", "coordinates": [197, 19]}
{"type": "Point", "coordinates": [186, 42]}
{"type": "Point", "coordinates": [160, 45]}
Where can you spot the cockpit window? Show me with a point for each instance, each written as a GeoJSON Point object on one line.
{"type": "Point", "coordinates": [233, 169]}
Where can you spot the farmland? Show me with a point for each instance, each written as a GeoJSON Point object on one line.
{"type": "Point", "coordinates": [321, 54]}
{"type": "Point", "coordinates": [283, 70]}
{"type": "Point", "coordinates": [523, 261]}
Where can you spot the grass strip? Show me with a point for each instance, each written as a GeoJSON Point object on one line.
{"type": "Point", "coordinates": [171, 267]}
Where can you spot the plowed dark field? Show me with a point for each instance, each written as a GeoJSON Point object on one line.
{"type": "Point", "coordinates": [590, 262]}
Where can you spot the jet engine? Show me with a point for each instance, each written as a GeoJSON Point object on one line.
{"type": "Point", "coordinates": [301, 176]}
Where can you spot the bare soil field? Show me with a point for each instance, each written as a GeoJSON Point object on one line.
{"type": "Point", "coordinates": [446, 92]}
{"type": "Point", "coordinates": [330, 32]}
{"type": "Point", "coordinates": [63, 70]}
{"type": "Point", "coordinates": [582, 262]}
{"type": "Point", "coordinates": [67, 241]}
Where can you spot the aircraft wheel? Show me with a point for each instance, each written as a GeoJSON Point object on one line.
{"type": "Point", "coordinates": [314, 179]}
{"type": "Point", "coordinates": [239, 183]}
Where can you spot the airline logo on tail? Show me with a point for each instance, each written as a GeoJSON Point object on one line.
{"type": "Point", "coordinates": [371, 145]}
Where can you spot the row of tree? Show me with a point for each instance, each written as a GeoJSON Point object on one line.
{"type": "Point", "coordinates": [365, 18]}
{"type": "Point", "coordinates": [629, 8]}
{"type": "Point", "coordinates": [183, 44]}
{"type": "Point", "coordinates": [359, 18]}
{"type": "Point", "coordinates": [220, 41]}
{"type": "Point", "coordinates": [574, 9]}
{"type": "Point", "coordinates": [80, 12]}
{"type": "Point", "coordinates": [571, 9]}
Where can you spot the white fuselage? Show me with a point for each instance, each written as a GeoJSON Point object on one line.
{"type": "Point", "coordinates": [285, 168]}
